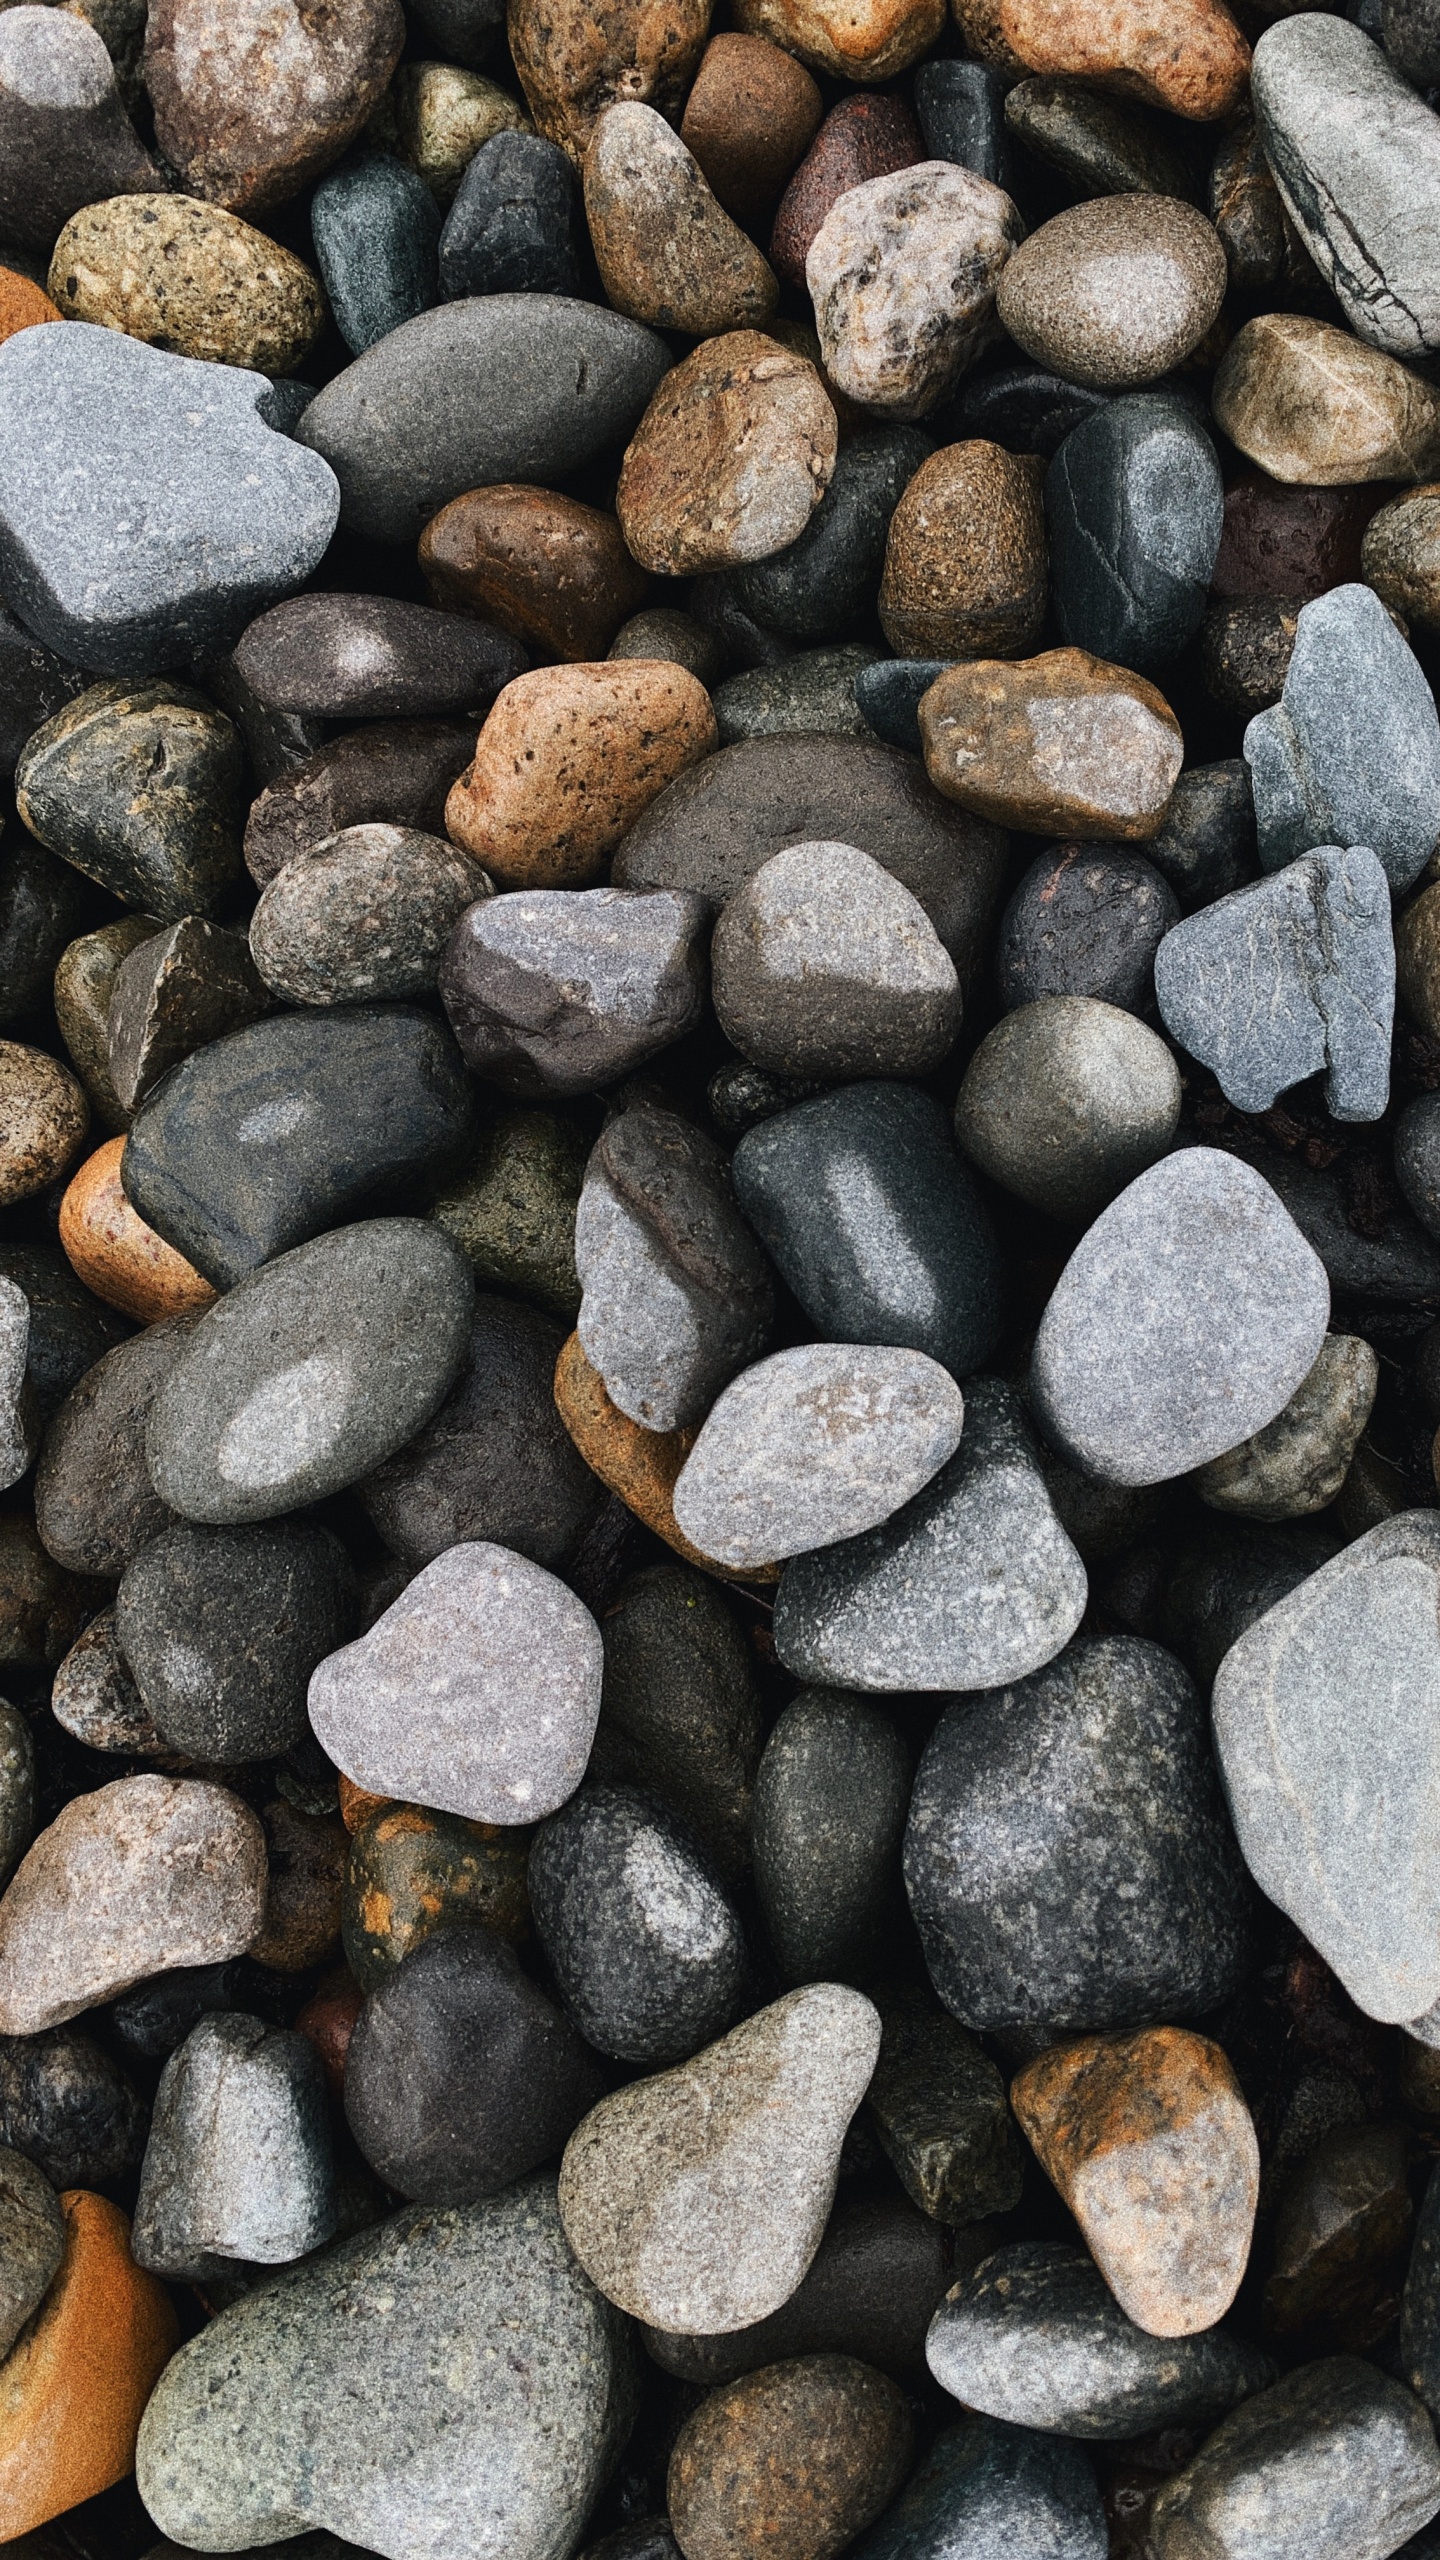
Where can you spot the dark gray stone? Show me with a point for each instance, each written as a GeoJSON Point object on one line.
{"type": "Point", "coordinates": [285, 403]}
{"type": "Point", "coordinates": [141, 787]}
{"type": "Point", "coordinates": [221, 1629]}
{"type": "Point", "coordinates": [463, 31]}
{"type": "Point", "coordinates": [1207, 845]}
{"type": "Point", "coordinates": [680, 1714]}
{"type": "Point", "coordinates": [65, 139]}
{"type": "Point", "coordinates": [821, 586]}
{"type": "Point", "coordinates": [396, 773]}
{"type": "Point", "coordinates": [349, 657]}
{"type": "Point", "coordinates": [239, 2162]}
{"type": "Point", "coordinates": [810, 695]}
{"type": "Point", "coordinates": [823, 964]}
{"type": "Point", "coordinates": [68, 2107]}
{"type": "Point", "coordinates": [1410, 31]}
{"type": "Point", "coordinates": [34, 683]}
{"type": "Point", "coordinates": [362, 918]}
{"type": "Point", "coordinates": [276, 742]}
{"type": "Point", "coordinates": [986, 2491]}
{"type": "Point", "coordinates": [1420, 2304]}
{"type": "Point", "coordinates": [95, 1506]}
{"type": "Point", "coordinates": [1103, 146]}
{"type": "Point", "coordinates": [960, 107]}
{"type": "Point", "coordinates": [1134, 504]}
{"type": "Point", "coordinates": [1351, 752]}
{"type": "Point", "coordinates": [1068, 1859]}
{"type": "Point", "coordinates": [511, 227]}
{"type": "Point", "coordinates": [830, 1802]}
{"type": "Point", "coordinates": [376, 233]}
{"type": "Point", "coordinates": [560, 991]}
{"type": "Point", "coordinates": [174, 993]}
{"type": "Point", "coordinates": [1020, 406]}
{"type": "Point", "coordinates": [44, 906]}
{"type": "Point", "coordinates": [32, 2242]}
{"type": "Point", "coordinates": [92, 423]}
{"type": "Point", "coordinates": [1337, 2460]}
{"type": "Point", "coordinates": [1085, 920]}
{"type": "Point", "coordinates": [1065, 1101]}
{"type": "Point", "coordinates": [938, 2104]}
{"type": "Point", "coordinates": [1417, 1158]}
{"type": "Point", "coordinates": [1382, 1253]}
{"type": "Point", "coordinates": [889, 692]}
{"type": "Point", "coordinates": [17, 1788]}
{"type": "Point", "coordinates": [1224, 1581]}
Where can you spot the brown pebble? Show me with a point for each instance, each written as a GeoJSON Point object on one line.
{"type": "Point", "coordinates": [667, 251]}
{"type": "Point", "coordinates": [328, 2022]}
{"type": "Point", "coordinates": [1400, 556]}
{"type": "Point", "coordinates": [1244, 647]}
{"type": "Point", "coordinates": [251, 104]}
{"type": "Point", "coordinates": [176, 991]}
{"type": "Point", "coordinates": [749, 120]}
{"type": "Point", "coordinates": [84, 991]}
{"type": "Point", "coordinates": [113, 1251]}
{"type": "Point", "coordinates": [848, 39]}
{"type": "Point", "coordinates": [574, 57]}
{"type": "Point", "coordinates": [94, 1698]}
{"type": "Point", "coordinates": [862, 138]}
{"type": "Point", "coordinates": [566, 761]}
{"type": "Point", "coordinates": [1115, 292]}
{"type": "Point", "coordinates": [412, 1872]}
{"type": "Point", "coordinates": [730, 460]}
{"type": "Point", "coordinates": [790, 2463]}
{"type": "Point", "coordinates": [307, 1852]}
{"type": "Point", "coordinates": [1185, 55]}
{"type": "Point", "coordinates": [1417, 960]}
{"type": "Point", "coordinates": [966, 560]}
{"type": "Point", "coordinates": [547, 569]}
{"type": "Point", "coordinates": [1290, 542]}
{"type": "Point", "coordinates": [356, 1803]}
{"type": "Point", "coordinates": [22, 304]}
{"type": "Point", "coordinates": [188, 277]}
{"type": "Point", "coordinates": [1060, 745]}
{"type": "Point", "coordinates": [1263, 250]}
{"type": "Point", "coordinates": [43, 1119]}
{"type": "Point", "coordinates": [1312, 405]}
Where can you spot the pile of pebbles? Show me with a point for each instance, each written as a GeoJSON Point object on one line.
{"type": "Point", "coordinates": [719, 1279]}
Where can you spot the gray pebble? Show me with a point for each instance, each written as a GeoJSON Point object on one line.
{"type": "Point", "coordinates": [830, 1800]}
{"type": "Point", "coordinates": [363, 917]}
{"type": "Point", "coordinates": [1207, 843]}
{"type": "Point", "coordinates": [174, 993]}
{"type": "Point", "coordinates": [239, 2161]}
{"type": "Point", "coordinates": [987, 2491]}
{"type": "Point", "coordinates": [1066, 1101]}
{"type": "Point", "coordinates": [17, 1788]}
{"type": "Point", "coordinates": [938, 2103]}
{"type": "Point", "coordinates": [32, 2242]}
{"type": "Point", "coordinates": [19, 1410]}
{"type": "Point", "coordinates": [813, 694]}
{"type": "Point", "coordinates": [359, 657]}
{"type": "Point", "coordinates": [823, 964]}
{"type": "Point", "coordinates": [65, 139]}
{"type": "Point", "coordinates": [1299, 1462]}
{"type": "Point", "coordinates": [1337, 2460]}
{"type": "Point", "coordinates": [1134, 506]}
{"type": "Point", "coordinates": [558, 991]}
{"type": "Point", "coordinates": [1351, 752]}
{"type": "Point", "coordinates": [220, 1630]}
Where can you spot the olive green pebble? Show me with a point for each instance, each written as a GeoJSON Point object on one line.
{"type": "Point", "coordinates": [513, 1213]}
{"type": "Point", "coordinates": [84, 986]}
{"type": "Point", "coordinates": [413, 1872]}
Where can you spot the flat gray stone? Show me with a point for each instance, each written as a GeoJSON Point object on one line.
{"type": "Point", "coordinates": [1350, 754]}
{"type": "Point", "coordinates": [32, 2242]}
{"type": "Point", "coordinates": [1292, 975]}
{"type": "Point", "coordinates": [92, 424]}
{"type": "Point", "coordinates": [365, 2392]}
{"type": "Point", "coordinates": [1327, 1722]}
{"type": "Point", "coordinates": [973, 1583]}
{"type": "Point", "coordinates": [1299, 1462]}
{"type": "Point", "coordinates": [239, 2163]}
{"type": "Point", "coordinates": [559, 991]}
{"type": "Point", "coordinates": [1337, 2460]}
{"type": "Point", "coordinates": [19, 1412]}
{"type": "Point", "coordinates": [1184, 1320]}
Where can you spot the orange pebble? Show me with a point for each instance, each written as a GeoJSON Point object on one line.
{"type": "Point", "coordinates": [356, 1803]}
{"type": "Point", "coordinates": [22, 304]}
{"type": "Point", "coordinates": [74, 2386]}
{"type": "Point", "coordinates": [117, 1255]}
{"type": "Point", "coordinates": [640, 1465]}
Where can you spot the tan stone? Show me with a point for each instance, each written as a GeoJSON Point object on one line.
{"type": "Point", "coordinates": [730, 460]}
{"type": "Point", "coordinates": [442, 117]}
{"type": "Point", "coordinates": [43, 1119]}
{"type": "Point", "coordinates": [1315, 408]}
{"type": "Point", "coordinates": [1185, 55]}
{"type": "Point", "coordinates": [112, 1250]}
{"type": "Point", "coordinates": [749, 120]}
{"type": "Point", "coordinates": [849, 39]}
{"type": "Point", "coordinates": [566, 761]}
{"type": "Point", "coordinates": [903, 274]}
{"type": "Point", "coordinates": [1417, 960]}
{"type": "Point", "coordinates": [1151, 2145]}
{"type": "Point", "coordinates": [548, 569]}
{"type": "Point", "coordinates": [1400, 556]}
{"type": "Point", "coordinates": [1115, 292]}
{"type": "Point", "coordinates": [189, 277]}
{"type": "Point", "coordinates": [1059, 745]}
{"type": "Point", "coordinates": [255, 99]}
{"type": "Point", "coordinates": [966, 560]}
{"type": "Point", "coordinates": [575, 56]}
{"type": "Point", "coordinates": [667, 251]}
{"type": "Point", "coordinates": [1298, 1463]}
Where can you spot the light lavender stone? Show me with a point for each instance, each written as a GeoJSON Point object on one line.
{"type": "Point", "coordinates": [1350, 754]}
{"type": "Point", "coordinates": [902, 273]}
{"type": "Point", "coordinates": [239, 2163]}
{"type": "Point", "coordinates": [558, 991]}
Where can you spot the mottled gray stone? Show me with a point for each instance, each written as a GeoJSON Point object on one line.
{"type": "Point", "coordinates": [1134, 506]}
{"type": "Point", "coordinates": [1356, 157]}
{"type": "Point", "coordinates": [813, 694]}
{"type": "Point", "coordinates": [938, 2103]}
{"type": "Point", "coordinates": [1327, 1714]}
{"type": "Point", "coordinates": [1278, 981]}
{"type": "Point", "coordinates": [17, 1788]}
{"type": "Point", "coordinates": [1066, 1101]}
{"type": "Point", "coordinates": [1298, 1463]}
{"type": "Point", "coordinates": [902, 273]}
{"type": "Point", "coordinates": [329, 656]}
{"type": "Point", "coordinates": [986, 2491]}
{"type": "Point", "coordinates": [32, 2242]}
{"type": "Point", "coordinates": [362, 918]}
{"type": "Point", "coordinates": [1068, 1860]}
{"type": "Point", "coordinates": [1036, 2336]}
{"type": "Point", "coordinates": [92, 423]}
{"type": "Point", "coordinates": [1351, 752]}
{"type": "Point", "coordinates": [558, 991]}
{"type": "Point", "coordinates": [1226, 1579]}
{"type": "Point", "coordinates": [830, 1800]}
{"type": "Point", "coordinates": [507, 1662]}
{"type": "Point", "coordinates": [65, 139]}
{"type": "Point", "coordinates": [94, 1698]}
{"type": "Point", "coordinates": [1084, 920]}
{"type": "Point", "coordinates": [1337, 2460]}
{"type": "Point", "coordinates": [142, 788]}
{"type": "Point", "coordinates": [220, 1630]}
{"type": "Point", "coordinates": [676, 1294]}
{"type": "Point", "coordinates": [19, 1411]}
{"type": "Point", "coordinates": [376, 230]}
{"type": "Point", "coordinates": [239, 2161]}
{"type": "Point", "coordinates": [971, 1584]}
{"type": "Point", "coordinates": [311, 1372]}
{"type": "Point", "coordinates": [363, 2393]}
{"type": "Point", "coordinates": [1183, 1321]}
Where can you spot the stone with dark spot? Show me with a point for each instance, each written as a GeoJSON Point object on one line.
{"type": "Point", "coordinates": [221, 1629]}
{"type": "Point", "coordinates": [413, 1873]}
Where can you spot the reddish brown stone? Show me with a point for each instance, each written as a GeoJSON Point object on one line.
{"type": "Point", "coordinates": [328, 2020]}
{"type": "Point", "coordinates": [669, 254]}
{"type": "Point", "coordinates": [1400, 556]}
{"type": "Point", "coordinates": [117, 1255]}
{"type": "Point", "coordinates": [43, 1119]}
{"type": "Point", "coordinates": [356, 1803]}
{"type": "Point", "coordinates": [861, 138]}
{"type": "Point", "coordinates": [548, 569]}
{"type": "Point", "coordinates": [1185, 55]}
{"type": "Point", "coordinates": [252, 101]}
{"type": "Point", "coordinates": [791, 2462]}
{"type": "Point", "coordinates": [749, 120]}
{"type": "Point", "coordinates": [1290, 542]}
{"type": "Point", "coordinates": [23, 305]}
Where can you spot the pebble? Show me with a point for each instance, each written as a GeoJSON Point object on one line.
{"type": "Point", "coordinates": [461, 2076]}
{"type": "Point", "coordinates": [248, 123]}
{"type": "Point", "coordinates": [903, 273]}
{"type": "Point", "coordinates": [984, 2486]}
{"type": "Point", "coordinates": [680, 1710]}
{"type": "Point", "coordinates": [42, 904]}
{"type": "Point", "coordinates": [1245, 651]}
{"type": "Point", "coordinates": [69, 1328]}
{"type": "Point", "coordinates": [862, 138]}
{"type": "Point", "coordinates": [794, 2460]}
{"type": "Point", "coordinates": [508, 1661]}
{"type": "Point", "coordinates": [36, 683]}
{"type": "Point", "coordinates": [667, 251]}
{"type": "Point", "coordinates": [810, 694]}
{"type": "Point", "coordinates": [220, 1630]}
{"type": "Point", "coordinates": [1122, 590]}
{"type": "Point", "coordinates": [344, 657]}
{"type": "Point", "coordinates": [824, 583]}
{"type": "Point", "coordinates": [972, 1583]}
{"type": "Point", "coordinates": [190, 278]}
{"type": "Point", "coordinates": [966, 560]}
{"type": "Point", "coordinates": [573, 63]}
{"type": "Point", "coordinates": [1341, 2217]}
{"type": "Point", "coordinates": [937, 2103]}
{"type": "Point", "coordinates": [1066, 1101]}
{"type": "Point", "coordinates": [730, 460]}
{"type": "Point", "coordinates": [17, 1788]}
{"type": "Point", "coordinates": [67, 2105]}
{"type": "Point", "coordinates": [444, 116]}
{"type": "Point", "coordinates": [872, 2286]}
{"type": "Point", "coordinates": [637, 1465]}
{"type": "Point", "coordinates": [95, 1506]}
{"type": "Point", "coordinates": [1314, 406]}
{"type": "Point", "coordinates": [1021, 406]}
{"type": "Point", "coordinates": [1032, 1808]}
{"type": "Point", "coordinates": [824, 965]}
{"type": "Point", "coordinates": [413, 1873]}
{"type": "Point", "coordinates": [1184, 1320]}
{"type": "Point", "coordinates": [32, 2243]}
{"type": "Point", "coordinates": [141, 787]}
{"type": "Point", "coordinates": [134, 1879]}
{"type": "Point", "coordinates": [376, 235]}
{"type": "Point", "coordinates": [1063, 744]}
{"type": "Point", "coordinates": [1417, 959]}
{"type": "Point", "coordinates": [351, 2395]}
{"type": "Point", "coordinates": [513, 1212]}
{"type": "Point", "coordinates": [830, 1799]}
{"type": "Point", "coordinates": [1151, 2145]}
{"type": "Point", "coordinates": [114, 1252]}
{"type": "Point", "coordinates": [101, 576]}
{"type": "Point", "coordinates": [1335, 2453]}
{"type": "Point", "coordinates": [557, 991]}
{"type": "Point", "coordinates": [239, 2163]}
{"type": "Point", "coordinates": [1398, 558]}
{"type": "Point", "coordinates": [365, 917]}
{"type": "Point", "coordinates": [961, 110]}
{"type": "Point", "coordinates": [84, 988]}
{"type": "Point", "coordinates": [392, 773]}
{"type": "Point", "coordinates": [511, 226]}
{"type": "Point", "coordinates": [1191, 59]}
{"type": "Point", "coordinates": [1299, 1462]}
{"type": "Point", "coordinates": [1085, 924]}
{"type": "Point", "coordinates": [550, 570]}
{"type": "Point", "coordinates": [65, 138]}
{"type": "Point", "coordinates": [750, 118]}
{"type": "Point", "coordinates": [176, 992]}
{"type": "Point", "coordinates": [1115, 292]}
{"type": "Point", "coordinates": [890, 691]}
{"type": "Point", "coordinates": [1099, 146]}
{"type": "Point", "coordinates": [43, 1115]}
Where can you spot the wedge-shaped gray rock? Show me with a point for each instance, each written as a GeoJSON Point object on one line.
{"type": "Point", "coordinates": [1327, 1722]}
{"type": "Point", "coordinates": [972, 1584]}
{"type": "Point", "coordinates": [93, 425]}
{"type": "Point", "coordinates": [1273, 983]}
{"type": "Point", "coordinates": [1182, 1322]}
{"type": "Point", "coordinates": [239, 2163]}
{"type": "Point", "coordinates": [1336, 2460]}
{"type": "Point", "coordinates": [32, 2242]}
{"type": "Point", "coordinates": [558, 991]}
{"type": "Point", "coordinates": [1350, 754]}
{"type": "Point", "coordinates": [986, 2491]}
{"type": "Point", "coordinates": [447, 2383]}
{"type": "Point", "coordinates": [1356, 157]}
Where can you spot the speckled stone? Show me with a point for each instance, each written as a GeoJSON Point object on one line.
{"type": "Point", "coordinates": [87, 785]}
{"type": "Point", "coordinates": [17, 1788]}
{"type": "Point", "coordinates": [19, 1413]}
{"type": "Point", "coordinates": [830, 1799]}
{"type": "Point", "coordinates": [680, 1711]}
{"type": "Point", "coordinates": [1066, 1101]}
{"type": "Point", "coordinates": [239, 2161]}
{"type": "Point", "coordinates": [188, 277]}
{"type": "Point", "coordinates": [1062, 744]}
{"type": "Point", "coordinates": [245, 2437]}
{"type": "Point", "coordinates": [870, 2291]}
{"type": "Point", "coordinates": [1312, 405]}
{"type": "Point", "coordinates": [1351, 753]}
{"type": "Point", "coordinates": [95, 1506]}
{"type": "Point", "coordinates": [65, 138]}
{"type": "Point", "coordinates": [220, 1630]}
{"type": "Point", "coordinates": [413, 1874]}
{"type": "Point", "coordinates": [1244, 651]}
{"type": "Point", "coordinates": [1085, 921]}
{"type": "Point", "coordinates": [249, 122]}
{"type": "Point", "coordinates": [573, 60]}
{"type": "Point", "coordinates": [1115, 292]}
{"type": "Point", "coordinates": [973, 1583]}
{"type": "Point", "coordinates": [965, 562]}
{"type": "Point", "coordinates": [938, 2105]}
{"type": "Point", "coordinates": [813, 694]}
{"type": "Point", "coordinates": [376, 233]}
{"type": "Point", "coordinates": [1134, 508]}
{"type": "Point", "coordinates": [1104, 1757]}
{"type": "Point", "coordinates": [823, 964]}
{"type": "Point", "coordinates": [1400, 558]}
{"type": "Point", "coordinates": [874, 43]}
{"type": "Point", "coordinates": [794, 2460]}
{"type": "Point", "coordinates": [511, 227]}
{"type": "Point", "coordinates": [43, 1119]}
{"type": "Point", "coordinates": [1299, 1462]}
{"type": "Point", "coordinates": [135, 1879]}
{"type": "Point", "coordinates": [697, 2200]}
{"type": "Point", "coordinates": [512, 1212]}
{"type": "Point", "coordinates": [1335, 2458]}
{"type": "Point", "coordinates": [730, 460]}
{"type": "Point", "coordinates": [444, 118]}
{"type": "Point", "coordinates": [667, 251]}
{"type": "Point", "coordinates": [32, 2242]}
{"type": "Point", "coordinates": [988, 2487]}
{"type": "Point", "coordinates": [1190, 58]}
{"type": "Point", "coordinates": [903, 274]}
{"type": "Point", "coordinates": [362, 918]}
{"type": "Point", "coordinates": [68, 2106]}
{"type": "Point", "coordinates": [559, 991]}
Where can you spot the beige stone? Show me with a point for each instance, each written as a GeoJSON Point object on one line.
{"type": "Point", "coordinates": [1059, 745]}
{"type": "Point", "coordinates": [849, 39]}
{"type": "Point", "coordinates": [189, 277]}
{"type": "Point", "coordinates": [903, 274]}
{"type": "Point", "coordinates": [1115, 292]}
{"type": "Point", "coordinates": [667, 251]}
{"type": "Point", "coordinates": [43, 1119]}
{"type": "Point", "coordinates": [730, 460]}
{"type": "Point", "coordinates": [1299, 1462]}
{"type": "Point", "coordinates": [1317, 409]}
{"type": "Point", "coordinates": [1400, 556]}
{"type": "Point", "coordinates": [1187, 56]}
{"type": "Point", "coordinates": [442, 117]}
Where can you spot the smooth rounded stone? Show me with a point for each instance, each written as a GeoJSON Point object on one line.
{"type": "Point", "coordinates": [730, 460]}
{"type": "Point", "coordinates": [365, 917]}
{"type": "Point", "coordinates": [965, 562]}
{"type": "Point", "coordinates": [890, 692]}
{"type": "Point", "coordinates": [1262, 249]}
{"type": "Point", "coordinates": [903, 274]}
{"type": "Point", "coordinates": [190, 278]}
{"type": "Point", "coordinates": [1291, 541]}
{"type": "Point", "coordinates": [311, 1372]}
{"type": "Point", "coordinates": [667, 251]}
{"type": "Point", "coordinates": [392, 773]}
{"type": "Point", "coordinates": [1336, 2459]}
{"type": "Point", "coordinates": [1314, 406]}
{"type": "Point", "coordinates": [1287, 978]}
{"type": "Point", "coordinates": [1066, 1101]}
{"type": "Point", "coordinates": [1183, 1322]}
{"type": "Point", "coordinates": [679, 1713]}
{"type": "Point", "coordinates": [65, 138]}
{"type": "Point", "coordinates": [1150, 2143]}
{"type": "Point", "coordinates": [512, 1213]}
{"type": "Point", "coordinates": [814, 1446]}
{"type": "Point", "coordinates": [506, 386]}
{"type": "Point", "coordinates": [95, 1506]}
{"type": "Point", "coordinates": [135, 1879]}
{"type": "Point", "coordinates": [356, 657]}
{"type": "Point", "coordinates": [32, 2242]}
{"type": "Point", "coordinates": [961, 111]}
{"type": "Point", "coordinates": [69, 1328]}
{"type": "Point", "coordinates": [220, 1630]}
{"type": "Point", "coordinates": [376, 233]}
{"type": "Point", "coordinates": [68, 2107]}
{"type": "Point", "coordinates": [141, 787]}
{"type": "Point", "coordinates": [508, 1662]}
{"type": "Point", "coordinates": [1134, 508]}
{"type": "Point", "coordinates": [1062, 744]}
{"type": "Point", "coordinates": [697, 2200]}
{"type": "Point", "coordinates": [559, 991]}
{"type": "Point", "coordinates": [413, 1874]}
{"type": "Point", "coordinates": [1103, 148]}
{"type": "Point", "coordinates": [1340, 2218]}
{"type": "Point", "coordinates": [84, 989]}
{"type": "Point", "coordinates": [43, 1119]}
{"type": "Point", "coordinates": [830, 1800]}
{"type": "Point", "coordinates": [824, 583]}
{"type": "Point", "coordinates": [676, 1295]}
{"type": "Point", "coordinates": [550, 570]}
{"type": "Point", "coordinates": [511, 226]}
{"type": "Point", "coordinates": [794, 2460]}
{"type": "Point", "coordinates": [1244, 651]}
{"type": "Point", "coordinates": [249, 122]}
{"type": "Point", "coordinates": [239, 2161]}
{"type": "Point", "coordinates": [862, 138]}
{"type": "Point", "coordinates": [1399, 558]}
{"type": "Point", "coordinates": [1084, 926]}
{"type": "Point", "coordinates": [972, 1583]}
{"type": "Point", "coordinates": [175, 992]}
{"type": "Point", "coordinates": [573, 61]}
{"type": "Point", "coordinates": [443, 116]}
{"type": "Point", "coordinates": [1191, 59]}
{"type": "Point", "coordinates": [353, 2394]}
{"type": "Point", "coordinates": [17, 1788]}
{"type": "Point", "coordinates": [985, 2489]}
{"type": "Point", "coordinates": [813, 695]}
{"type": "Point", "coordinates": [823, 964]}
{"type": "Point", "coordinates": [115, 1254]}
{"type": "Point", "coordinates": [1035, 2337]}
{"type": "Point", "coordinates": [871, 2288]}
{"type": "Point", "coordinates": [1351, 753]}
{"type": "Point", "coordinates": [750, 117]}
{"type": "Point", "coordinates": [1115, 292]}
{"type": "Point", "coordinates": [272, 1132]}
{"type": "Point", "coordinates": [1299, 1462]}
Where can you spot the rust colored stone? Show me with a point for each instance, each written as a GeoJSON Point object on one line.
{"type": "Point", "coordinates": [1151, 2145]}
{"type": "Point", "coordinates": [307, 1852]}
{"type": "Point", "coordinates": [749, 120]}
{"type": "Point", "coordinates": [328, 2021]}
{"type": "Point", "coordinates": [116, 1254]}
{"type": "Point", "coordinates": [966, 561]}
{"type": "Point", "coordinates": [848, 39]}
{"type": "Point", "coordinates": [549, 570]}
{"type": "Point", "coordinates": [730, 460]}
{"type": "Point", "coordinates": [22, 304]}
{"type": "Point", "coordinates": [1290, 542]}
{"type": "Point", "coordinates": [566, 761]}
{"type": "Point", "coordinates": [980, 33]}
{"type": "Point", "coordinates": [1315, 408]}
{"type": "Point", "coordinates": [413, 1872]}
{"type": "Point", "coordinates": [791, 2462]}
{"type": "Point", "coordinates": [254, 100]}
{"type": "Point", "coordinates": [43, 1119]}
{"type": "Point", "coordinates": [356, 1803]}
{"type": "Point", "coordinates": [574, 57]}
{"type": "Point", "coordinates": [668, 253]}
{"type": "Point", "coordinates": [639, 1465]}
{"type": "Point", "coordinates": [1060, 745]}
{"type": "Point", "coordinates": [861, 138]}
{"type": "Point", "coordinates": [74, 2386]}
{"type": "Point", "coordinates": [1185, 55]}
